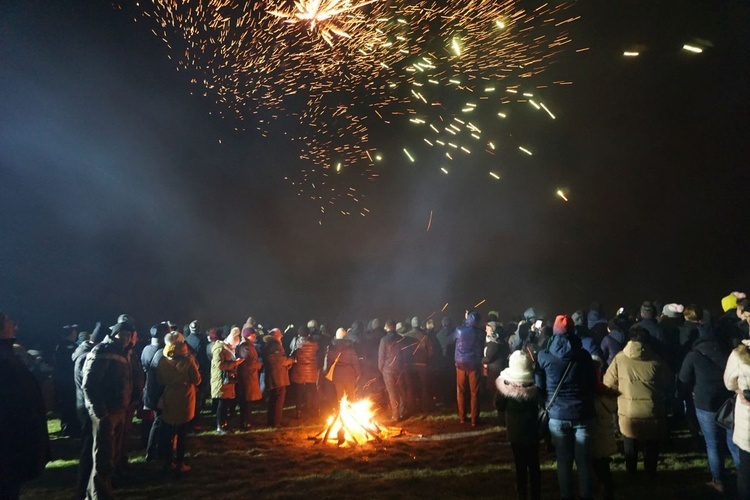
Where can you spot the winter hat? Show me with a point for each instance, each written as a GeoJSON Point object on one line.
{"type": "Point", "coordinates": [195, 327]}
{"type": "Point", "coordinates": [493, 315]}
{"type": "Point", "coordinates": [123, 318]}
{"type": "Point", "coordinates": [494, 334]}
{"type": "Point", "coordinates": [276, 333]}
{"type": "Point", "coordinates": [375, 323]}
{"type": "Point", "coordinates": [577, 318]}
{"type": "Point", "coordinates": [180, 350]}
{"type": "Point", "coordinates": [563, 324]}
{"type": "Point", "coordinates": [730, 301]}
{"type": "Point", "coordinates": [672, 310]}
{"type": "Point", "coordinates": [247, 331]}
{"type": "Point", "coordinates": [647, 310]}
{"type": "Point", "coordinates": [159, 330]}
{"type": "Point", "coordinates": [415, 322]}
{"type": "Point", "coordinates": [529, 314]}
{"type": "Point", "coordinates": [121, 328]}
{"type": "Point", "coordinates": [99, 333]}
{"type": "Point", "coordinates": [400, 328]}
{"type": "Point", "coordinates": [340, 333]}
{"type": "Point", "coordinates": [520, 368]}
{"type": "Point", "coordinates": [233, 338]}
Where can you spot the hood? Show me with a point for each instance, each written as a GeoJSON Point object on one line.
{"type": "Point", "coordinates": [743, 352]}
{"type": "Point", "coordinates": [472, 319]}
{"type": "Point", "coordinates": [618, 335]}
{"type": "Point", "coordinates": [712, 350]}
{"type": "Point", "coordinates": [638, 350]}
{"type": "Point", "coordinates": [564, 346]}
{"type": "Point", "coordinates": [514, 390]}
{"type": "Point", "coordinates": [82, 350]}
{"type": "Point", "coordinates": [595, 318]}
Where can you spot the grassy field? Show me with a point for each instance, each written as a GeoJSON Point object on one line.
{"type": "Point", "coordinates": [437, 457]}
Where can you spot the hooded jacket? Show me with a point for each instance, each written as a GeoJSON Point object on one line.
{"type": "Point", "coordinates": [611, 345]}
{"type": "Point", "coordinates": [469, 343]}
{"type": "Point", "coordinates": [575, 401]}
{"type": "Point", "coordinates": [248, 380]}
{"type": "Point", "coordinates": [198, 343]}
{"type": "Point", "coordinates": [107, 379]}
{"type": "Point", "coordinates": [222, 360]}
{"type": "Point", "coordinates": [520, 404]}
{"type": "Point", "coordinates": [179, 376]}
{"type": "Point", "coordinates": [737, 377]}
{"type": "Point", "coordinates": [597, 325]}
{"type": "Point", "coordinates": [276, 363]}
{"type": "Point", "coordinates": [702, 373]}
{"type": "Point", "coordinates": [642, 378]}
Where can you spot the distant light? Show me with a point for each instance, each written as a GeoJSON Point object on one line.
{"type": "Point", "coordinates": [528, 94]}
{"type": "Point", "coordinates": [493, 174]}
{"type": "Point", "coordinates": [692, 48]}
{"type": "Point", "coordinates": [524, 150]}
{"type": "Point", "coordinates": [378, 157]}
{"type": "Point", "coordinates": [631, 54]}
{"type": "Point", "coordinates": [445, 170]}
{"type": "Point", "coordinates": [502, 115]}
{"type": "Point", "coordinates": [489, 89]}
{"type": "Point", "coordinates": [561, 194]}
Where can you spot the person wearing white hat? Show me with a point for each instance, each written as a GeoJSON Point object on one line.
{"type": "Point", "coordinates": [517, 398]}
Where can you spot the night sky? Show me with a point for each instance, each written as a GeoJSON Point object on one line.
{"type": "Point", "coordinates": [117, 196]}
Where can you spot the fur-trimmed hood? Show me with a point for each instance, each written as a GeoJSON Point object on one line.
{"type": "Point", "coordinates": [743, 352]}
{"type": "Point", "coordinates": [514, 390]}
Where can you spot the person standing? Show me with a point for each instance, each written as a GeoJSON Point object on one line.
{"type": "Point", "coordinates": [64, 383]}
{"type": "Point", "coordinates": [224, 376]}
{"type": "Point", "coordinates": [150, 357]}
{"type": "Point", "coordinates": [248, 381]}
{"type": "Point", "coordinates": [198, 342]}
{"type": "Point", "coordinates": [304, 374]}
{"type": "Point", "coordinates": [572, 421]}
{"type": "Point", "coordinates": [495, 358]}
{"type": "Point", "coordinates": [391, 365]}
{"type": "Point", "coordinates": [343, 360]}
{"type": "Point", "coordinates": [737, 379]}
{"type": "Point", "coordinates": [276, 365]}
{"type": "Point", "coordinates": [468, 358]}
{"type": "Point", "coordinates": [642, 378]}
{"type": "Point", "coordinates": [107, 387]}
{"type": "Point", "coordinates": [421, 357]}
{"type": "Point", "coordinates": [24, 442]}
{"type": "Point", "coordinates": [179, 374]}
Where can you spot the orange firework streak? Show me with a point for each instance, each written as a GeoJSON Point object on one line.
{"type": "Point", "coordinates": [429, 222]}
{"type": "Point", "coordinates": [480, 303]}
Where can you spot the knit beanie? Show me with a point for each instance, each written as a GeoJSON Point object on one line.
{"type": "Point", "coordinates": [563, 325]}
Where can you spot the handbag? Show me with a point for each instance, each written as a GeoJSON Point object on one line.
{"type": "Point", "coordinates": [725, 414]}
{"type": "Point", "coordinates": [543, 414]}
{"type": "Point", "coordinates": [329, 375]}
{"type": "Point", "coordinates": [228, 377]}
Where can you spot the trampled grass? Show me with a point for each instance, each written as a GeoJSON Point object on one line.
{"type": "Point", "coordinates": [437, 457]}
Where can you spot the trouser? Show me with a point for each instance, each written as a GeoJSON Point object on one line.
{"type": "Point", "coordinates": [528, 473]}
{"type": "Point", "coordinates": [604, 475]}
{"type": "Point", "coordinates": [467, 380]}
{"type": "Point", "coordinates": [275, 406]}
{"type": "Point", "coordinates": [650, 454]}
{"type": "Point", "coordinates": [743, 476]}
{"type": "Point", "coordinates": [106, 451]}
{"type": "Point", "coordinates": [177, 434]}
{"type": "Point", "coordinates": [222, 412]}
{"type": "Point", "coordinates": [421, 388]}
{"type": "Point", "coordinates": [395, 388]}
{"type": "Point", "coordinates": [572, 440]}
{"type": "Point", "coordinates": [715, 437]}
{"type": "Point", "coordinates": [85, 462]}
{"type": "Point", "coordinates": [127, 427]}
{"type": "Point", "coordinates": [155, 438]}
{"type": "Point", "coordinates": [306, 396]}
{"type": "Point", "coordinates": [246, 412]}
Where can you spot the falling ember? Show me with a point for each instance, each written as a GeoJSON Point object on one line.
{"type": "Point", "coordinates": [524, 150]}
{"type": "Point", "coordinates": [353, 424]}
{"type": "Point", "coordinates": [493, 174]}
{"type": "Point", "coordinates": [445, 171]}
{"type": "Point", "coordinates": [631, 54]}
{"type": "Point", "coordinates": [692, 48]}
{"type": "Point", "coordinates": [429, 222]}
{"type": "Point", "coordinates": [411, 158]}
{"type": "Point", "coordinates": [547, 110]}
{"type": "Point", "coordinates": [561, 194]}
{"type": "Point", "coordinates": [444, 307]}
{"type": "Point", "coordinates": [479, 303]}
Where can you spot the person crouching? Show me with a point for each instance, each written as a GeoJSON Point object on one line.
{"type": "Point", "coordinates": [178, 373]}
{"type": "Point", "coordinates": [518, 398]}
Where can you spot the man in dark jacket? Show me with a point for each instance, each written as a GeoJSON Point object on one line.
{"type": "Point", "coordinates": [198, 342]}
{"type": "Point", "coordinates": [153, 390]}
{"type": "Point", "coordinates": [615, 340]}
{"type": "Point", "coordinates": [446, 378]}
{"type": "Point", "coordinates": [468, 358]}
{"type": "Point", "coordinates": [391, 365]}
{"type": "Point", "coordinates": [657, 339]}
{"type": "Point", "coordinates": [276, 365]}
{"type": "Point", "coordinates": [572, 416]}
{"type": "Point", "coordinates": [108, 388]}
{"type": "Point", "coordinates": [24, 443]}
{"type": "Point", "coordinates": [65, 387]}
{"type": "Point", "coordinates": [85, 462]}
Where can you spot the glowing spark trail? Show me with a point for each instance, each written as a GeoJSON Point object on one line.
{"type": "Point", "coordinates": [561, 194]}
{"type": "Point", "coordinates": [692, 48]}
{"type": "Point", "coordinates": [429, 222]}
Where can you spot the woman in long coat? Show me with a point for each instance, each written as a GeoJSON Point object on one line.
{"type": "Point", "coordinates": [248, 381]}
{"type": "Point", "coordinates": [178, 373]}
{"type": "Point", "coordinates": [343, 360]}
{"type": "Point", "coordinates": [737, 379]}
{"type": "Point", "coordinates": [224, 376]}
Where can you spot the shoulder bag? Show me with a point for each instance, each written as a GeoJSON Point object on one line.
{"type": "Point", "coordinates": [543, 415]}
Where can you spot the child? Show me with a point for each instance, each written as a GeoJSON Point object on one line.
{"type": "Point", "coordinates": [517, 397]}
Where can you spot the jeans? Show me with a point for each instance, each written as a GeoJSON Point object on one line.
{"type": "Point", "coordinates": [713, 435]}
{"type": "Point", "coordinates": [528, 474]}
{"type": "Point", "coordinates": [572, 440]}
{"type": "Point", "coordinates": [650, 454]}
{"type": "Point", "coordinates": [467, 379]}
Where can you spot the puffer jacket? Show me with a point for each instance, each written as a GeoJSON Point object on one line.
{"type": "Point", "coordinates": [305, 370]}
{"type": "Point", "coordinates": [222, 360]}
{"type": "Point", "coordinates": [347, 369]}
{"type": "Point", "coordinates": [520, 402]}
{"type": "Point", "coordinates": [248, 381]}
{"type": "Point", "coordinates": [702, 374]}
{"type": "Point", "coordinates": [737, 377]}
{"type": "Point", "coordinates": [107, 379]}
{"type": "Point", "coordinates": [390, 357]}
{"type": "Point", "coordinates": [275, 363]}
{"type": "Point", "coordinates": [179, 376]}
{"type": "Point", "coordinates": [79, 358]}
{"type": "Point", "coordinates": [642, 379]}
{"type": "Point", "coordinates": [575, 401]}
{"type": "Point", "coordinates": [469, 343]}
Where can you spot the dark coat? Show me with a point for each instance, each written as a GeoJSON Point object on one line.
{"type": "Point", "coordinates": [423, 351]}
{"type": "Point", "coordinates": [153, 390]}
{"type": "Point", "coordinates": [702, 373]}
{"type": "Point", "coordinates": [305, 370]}
{"type": "Point", "coordinates": [390, 357]}
{"type": "Point", "coordinates": [495, 359]}
{"type": "Point", "coordinates": [199, 343]}
{"type": "Point", "coordinates": [79, 357]}
{"type": "Point", "coordinates": [24, 448]}
{"type": "Point", "coordinates": [521, 406]}
{"type": "Point", "coordinates": [469, 342]}
{"type": "Point", "coordinates": [613, 343]}
{"type": "Point", "coordinates": [275, 363]}
{"type": "Point", "coordinates": [107, 379]}
{"type": "Point", "coordinates": [575, 401]}
{"type": "Point", "coordinates": [248, 381]}
{"type": "Point", "coordinates": [347, 369]}
{"type": "Point", "coordinates": [447, 343]}
{"type": "Point", "coordinates": [138, 378]}
{"type": "Point", "coordinates": [62, 374]}
{"type": "Point", "coordinates": [730, 330]}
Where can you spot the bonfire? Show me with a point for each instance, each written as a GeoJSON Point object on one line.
{"type": "Point", "coordinates": [354, 424]}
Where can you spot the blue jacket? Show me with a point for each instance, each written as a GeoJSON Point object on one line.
{"type": "Point", "coordinates": [611, 345]}
{"type": "Point", "coordinates": [575, 400]}
{"type": "Point", "coordinates": [469, 344]}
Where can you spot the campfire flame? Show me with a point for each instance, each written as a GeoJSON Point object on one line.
{"type": "Point", "coordinates": [353, 424]}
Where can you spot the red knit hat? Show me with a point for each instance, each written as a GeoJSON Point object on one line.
{"type": "Point", "coordinates": [563, 324]}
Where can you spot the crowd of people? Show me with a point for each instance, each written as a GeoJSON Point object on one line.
{"type": "Point", "coordinates": [634, 377]}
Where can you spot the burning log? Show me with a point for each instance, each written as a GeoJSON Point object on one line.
{"type": "Point", "coordinates": [353, 424]}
